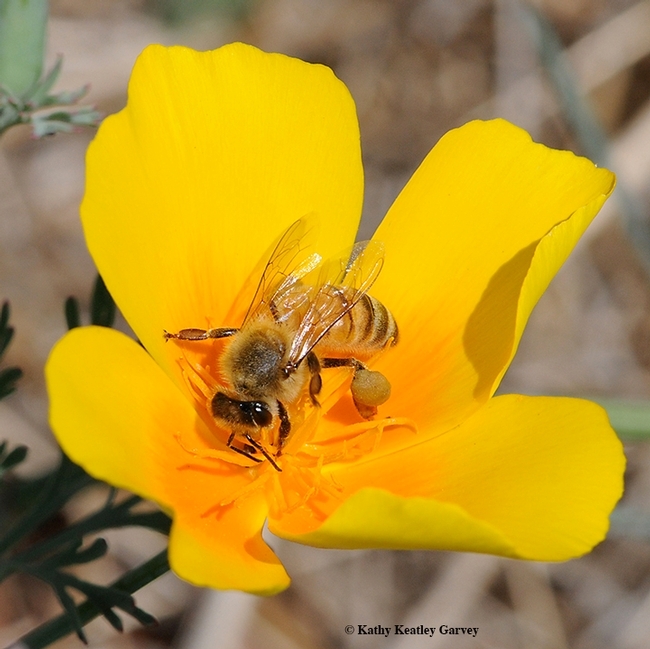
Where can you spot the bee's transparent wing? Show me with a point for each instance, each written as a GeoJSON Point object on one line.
{"type": "Point", "coordinates": [341, 284]}
{"type": "Point", "coordinates": [290, 261]}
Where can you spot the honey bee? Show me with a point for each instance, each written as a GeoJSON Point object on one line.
{"type": "Point", "coordinates": [305, 316]}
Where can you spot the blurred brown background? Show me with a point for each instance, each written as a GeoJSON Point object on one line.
{"type": "Point", "coordinates": [415, 68]}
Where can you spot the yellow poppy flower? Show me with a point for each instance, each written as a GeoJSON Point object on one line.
{"type": "Point", "coordinates": [214, 157]}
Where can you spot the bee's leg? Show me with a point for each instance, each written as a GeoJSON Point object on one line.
{"type": "Point", "coordinates": [316, 383]}
{"type": "Point", "coordinates": [343, 362]}
{"type": "Point", "coordinates": [273, 308]}
{"type": "Point", "coordinates": [285, 426]}
{"type": "Point", "coordinates": [246, 454]}
{"type": "Point", "coordinates": [369, 389]}
{"type": "Point", "coordinates": [200, 334]}
{"type": "Point", "coordinates": [263, 451]}
{"type": "Point", "coordinates": [243, 452]}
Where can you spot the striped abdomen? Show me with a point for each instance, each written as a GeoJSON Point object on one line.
{"type": "Point", "coordinates": [362, 332]}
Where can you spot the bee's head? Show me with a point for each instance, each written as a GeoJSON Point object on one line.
{"type": "Point", "coordinates": [249, 414]}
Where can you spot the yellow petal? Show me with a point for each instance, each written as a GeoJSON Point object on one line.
{"type": "Point", "coordinates": [472, 242]}
{"type": "Point", "coordinates": [112, 409]}
{"type": "Point", "coordinates": [374, 518]}
{"type": "Point", "coordinates": [215, 155]}
{"type": "Point", "coordinates": [208, 551]}
{"type": "Point", "coordinates": [117, 414]}
{"type": "Point", "coordinates": [531, 477]}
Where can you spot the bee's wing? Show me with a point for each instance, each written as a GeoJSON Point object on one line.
{"type": "Point", "coordinates": [288, 264]}
{"type": "Point", "coordinates": [341, 284]}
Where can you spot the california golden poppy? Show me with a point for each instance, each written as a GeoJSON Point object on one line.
{"type": "Point", "coordinates": [214, 157]}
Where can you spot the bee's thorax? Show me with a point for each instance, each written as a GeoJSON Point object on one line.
{"type": "Point", "coordinates": [255, 362]}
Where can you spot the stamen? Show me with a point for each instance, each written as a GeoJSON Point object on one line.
{"type": "Point", "coordinates": [215, 509]}
{"type": "Point", "coordinates": [331, 488]}
{"type": "Point", "coordinates": [353, 438]}
{"type": "Point", "coordinates": [265, 437]}
{"type": "Point", "coordinates": [308, 487]}
{"type": "Point", "coordinates": [300, 486]}
{"type": "Point", "coordinates": [197, 380]}
{"type": "Point", "coordinates": [278, 502]}
{"type": "Point", "coordinates": [246, 489]}
{"type": "Point", "coordinates": [204, 374]}
{"type": "Point", "coordinates": [302, 431]}
{"type": "Point", "coordinates": [201, 468]}
{"type": "Point", "coordinates": [191, 386]}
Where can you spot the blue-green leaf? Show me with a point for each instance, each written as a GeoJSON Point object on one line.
{"type": "Point", "coordinates": [22, 43]}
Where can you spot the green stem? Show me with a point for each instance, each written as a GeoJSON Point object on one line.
{"type": "Point", "coordinates": [630, 419]}
{"type": "Point", "coordinates": [59, 627]}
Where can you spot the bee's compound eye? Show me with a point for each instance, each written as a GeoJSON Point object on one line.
{"type": "Point", "coordinates": [370, 388]}
{"type": "Point", "coordinates": [260, 414]}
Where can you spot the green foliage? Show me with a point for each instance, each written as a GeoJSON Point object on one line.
{"type": "Point", "coordinates": [28, 506]}
{"type": "Point", "coordinates": [630, 419]}
{"type": "Point", "coordinates": [61, 626]}
{"type": "Point", "coordinates": [25, 97]}
{"type": "Point", "coordinates": [8, 379]}
{"type": "Point", "coordinates": [47, 113]}
{"type": "Point", "coordinates": [22, 43]}
{"type": "Point", "coordinates": [630, 522]}
{"type": "Point", "coordinates": [72, 317]}
{"type": "Point", "coordinates": [13, 458]}
{"type": "Point", "coordinates": [8, 376]}
{"type": "Point", "coordinates": [102, 309]}
{"type": "Point", "coordinates": [47, 560]}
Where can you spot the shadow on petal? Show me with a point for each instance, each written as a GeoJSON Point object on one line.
{"type": "Point", "coordinates": [489, 335]}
